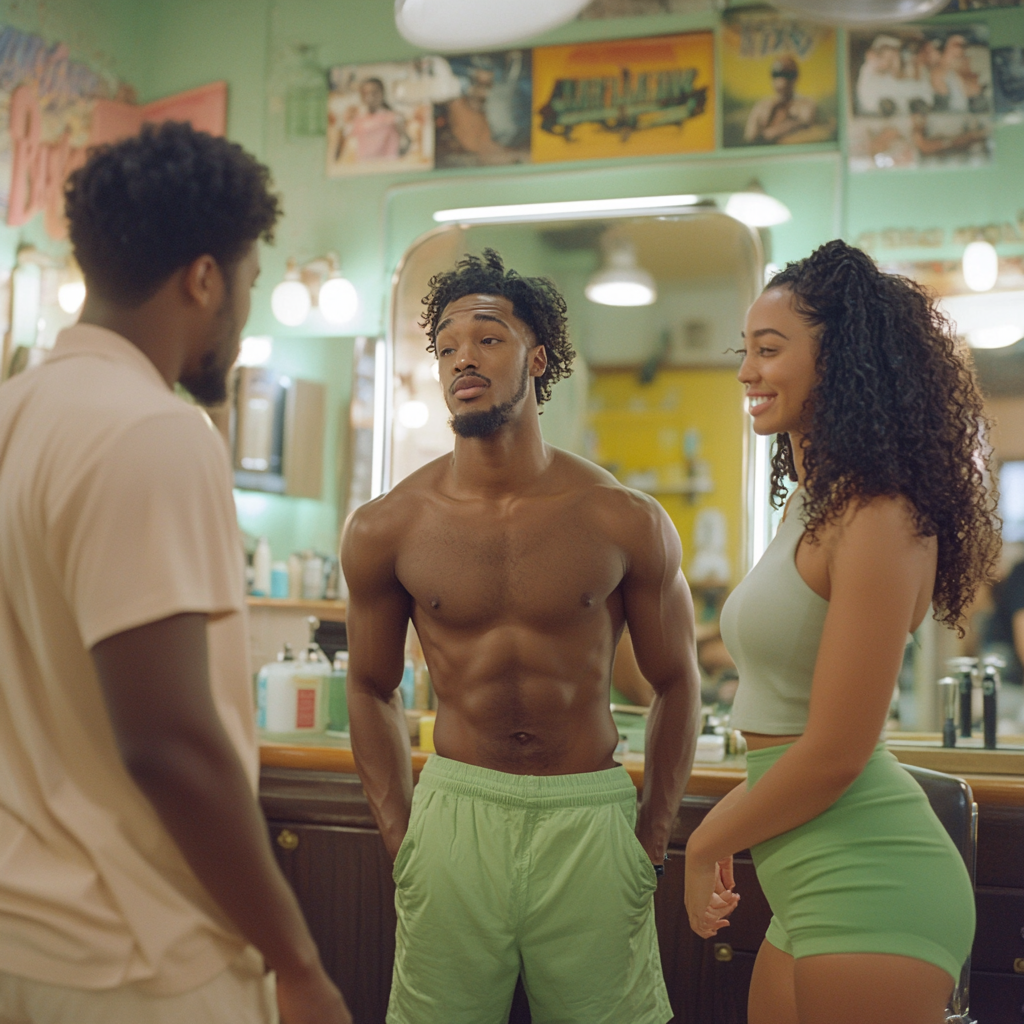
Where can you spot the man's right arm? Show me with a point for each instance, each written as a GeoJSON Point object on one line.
{"type": "Point", "coordinates": [377, 620]}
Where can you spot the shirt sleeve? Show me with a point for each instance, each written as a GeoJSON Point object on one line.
{"type": "Point", "coordinates": [150, 529]}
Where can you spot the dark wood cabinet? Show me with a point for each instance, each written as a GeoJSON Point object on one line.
{"type": "Point", "coordinates": [328, 847]}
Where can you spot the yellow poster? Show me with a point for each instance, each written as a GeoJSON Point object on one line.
{"type": "Point", "coordinates": [634, 97]}
{"type": "Point", "coordinates": [778, 80]}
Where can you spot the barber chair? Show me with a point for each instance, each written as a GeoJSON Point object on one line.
{"type": "Point", "coordinates": [953, 802]}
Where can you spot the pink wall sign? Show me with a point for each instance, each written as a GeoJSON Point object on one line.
{"type": "Point", "coordinates": [39, 169]}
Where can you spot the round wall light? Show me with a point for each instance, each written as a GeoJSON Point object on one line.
{"type": "Point", "coordinates": [255, 350]}
{"type": "Point", "coordinates": [290, 299]}
{"type": "Point", "coordinates": [71, 295]}
{"type": "Point", "coordinates": [339, 300]}
{"type": "Point", "coordinates": [413, 415]}
{"type": "Point", "coordinates": [981, 266]}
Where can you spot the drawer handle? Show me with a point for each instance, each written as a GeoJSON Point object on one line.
{"type": "Point", "coordinates": [288, 840]}
{"type": "Point", "coordinates": [723, 952]}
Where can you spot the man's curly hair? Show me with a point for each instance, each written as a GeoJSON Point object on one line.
{"type": "Point", "coordinates": [535, 300]}
{"type": "Point", "coordinates": [896, 411]}
{"type": "Point", "coordinates": [142, 208]}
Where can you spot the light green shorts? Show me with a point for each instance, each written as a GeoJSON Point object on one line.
{"type": "Point", "coordinates": [501, 875]}
{"type": "Point", "coordinates": [875, 873]}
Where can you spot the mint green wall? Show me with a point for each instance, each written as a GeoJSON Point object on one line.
{"type": "Point", "coordinates": [166, 46]}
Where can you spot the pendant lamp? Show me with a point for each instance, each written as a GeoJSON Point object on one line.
{"type": "Point", "coordinates": [860, 12]}
{"type": "Point", "coordinates": [452, 25]}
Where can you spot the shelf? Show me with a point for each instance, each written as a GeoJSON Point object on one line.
{"type": "Point", "coordinates": [333, 611]}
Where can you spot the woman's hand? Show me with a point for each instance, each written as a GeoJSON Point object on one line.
{"type": "Point", "coordinates": [709, 892]}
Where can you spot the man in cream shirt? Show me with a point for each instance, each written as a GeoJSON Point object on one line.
{"type": "Point", "coordinates": [137, 884]}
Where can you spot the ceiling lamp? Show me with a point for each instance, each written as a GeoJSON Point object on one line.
{"type": "Point", "coordinates": [990, 320]}
{"type": "Point", "coordinates": [621, 282]}
{"type": "Point", "coordinates": [999, 336]}
{"type": "Point", "coordinates": [755, 208]}
{"type": "Point", "coordinates": [859, 12]}
{"type": "Point", "coordinates": [981, 266]}
{"type": "Point", "coordinates": [449, 25]}
{"type": "Point", "coordinates": [290, 299]}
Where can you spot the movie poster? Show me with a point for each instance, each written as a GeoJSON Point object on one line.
{"type": "Point", "coordinates": [778, 80]}
{"type": "Point", "coordinates": [486, 121]}
{"type": "Point", "coordinates": [1008, 83]}
{"type": "Point", "coordinates": [631, 98]}
{"type": "Point", "coordinates": [921, 96]}
{"type": "Point", "coordinates": [380, 117]}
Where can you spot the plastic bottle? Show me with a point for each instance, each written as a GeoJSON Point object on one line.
{"type": "Point", "coordinates": [261, 568]}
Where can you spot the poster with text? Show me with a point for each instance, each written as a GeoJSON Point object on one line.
{"type": "Point", "coordinates": [380, 117]}
{"type": "Point", "coordinates": [486, 121]}
{"type": "Point", "coordinates": [921, 96]}
{"type": "Point", "coordinates": [635, 97]}
{"type": "Point", "coordinates": [778, 80]}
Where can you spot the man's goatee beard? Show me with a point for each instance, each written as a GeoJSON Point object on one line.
{"type": "Point", "coordinates": [489, 421]}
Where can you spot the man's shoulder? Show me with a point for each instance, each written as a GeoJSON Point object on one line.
{"type": "Point", "coordinates": [606, 496]}
{"type": "Point", "coordinates": [389, 515]}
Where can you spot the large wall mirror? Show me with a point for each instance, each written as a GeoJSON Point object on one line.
{"type": "Point", "coordinates": [653, 397]}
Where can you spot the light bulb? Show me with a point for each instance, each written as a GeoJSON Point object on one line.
{"type": "Point", "coordinates": [71, 295]}
{"type": "Point", "coordinates": [339, 300]}
{"type": "Point", "coordinates": [290, 302]}
{"type": "Point", "coordinates": [256, 350]}
{"type": "Point", "coordinates": [413, 415]}
{"type": "Point", "coordinates": [980, 266]}
{"type": "Point", "coordinates": [620, 292]}
{"type": "Point", "coordinates": [757, 210]}
{"type": "Point", "coordinates": [1000, 336]}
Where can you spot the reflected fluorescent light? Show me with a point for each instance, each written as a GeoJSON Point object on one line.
{"type": "Point", "coordinates": [339, 300]}
{"type": "Point", "coordinates": [757, 209]}
{"type": "Point", "coordinates": [981, 266]}
{"type": "Point", "coordinates": [581, 208]}
{"type": "Point", "coordinates": [413, 415]}
{"type": "Point", "coordinates": [256, 350]}
{"type": "Point", "coordinates": [621, 282]}
{"type": "Point", "coordinates": [1000, 336]}
{"type": "Point", "coordinates": [71, 295]}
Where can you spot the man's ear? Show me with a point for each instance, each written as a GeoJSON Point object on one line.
{"type": "Point", "coordinates": [538, 359]}
{"type": "Point", "coordinates": [203, 282]}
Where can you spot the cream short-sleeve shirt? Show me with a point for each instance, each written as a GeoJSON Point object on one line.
{"type": "Point", "coordinates": [115, 511]}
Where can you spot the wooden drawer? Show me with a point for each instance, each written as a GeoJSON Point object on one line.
{"type": "Point", "coordinates": [999, 940]}
{"type": "Point", "coordinates": [997, 998]}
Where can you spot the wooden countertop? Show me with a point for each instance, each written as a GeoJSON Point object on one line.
{"type": "Point", "coordinates": [705, 780]}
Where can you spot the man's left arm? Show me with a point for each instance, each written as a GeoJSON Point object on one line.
{"type": "Point", "coordinates": [659, 612]}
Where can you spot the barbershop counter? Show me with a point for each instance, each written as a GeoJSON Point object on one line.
{"type": "Point", "coordinates": [329, 849]}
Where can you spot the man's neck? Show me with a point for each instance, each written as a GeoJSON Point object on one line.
{"type": "Point", "coordinates": [145, 327]}
{"type": "Point", "coordinates": [504, 464]}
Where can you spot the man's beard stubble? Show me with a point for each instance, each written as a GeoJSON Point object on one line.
{"type": "Point", "coordinates": [209, 384]}
{"type": "Point", "coordinates": [488, 421]}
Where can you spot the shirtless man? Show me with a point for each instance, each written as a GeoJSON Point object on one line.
{"type": "Point", "coordinates": [519, 565]}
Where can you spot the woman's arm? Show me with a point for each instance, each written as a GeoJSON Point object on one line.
{"type": "Point", "coordinates": [878, 569]}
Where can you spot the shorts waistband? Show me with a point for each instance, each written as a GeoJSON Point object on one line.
{"type": "Point", "coordinates": [759, 761]}
{"type": "Point", "coordinates": [587, 789]}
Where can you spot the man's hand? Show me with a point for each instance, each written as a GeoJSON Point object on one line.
{"type": "Point", "coordinates": [310, 997]}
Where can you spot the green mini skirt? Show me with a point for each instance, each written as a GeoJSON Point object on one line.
{"type": "Point", "coordinates": [875, 873]}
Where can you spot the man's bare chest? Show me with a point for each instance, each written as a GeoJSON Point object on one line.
{"type": "Point", "coordinates": [471, 570]}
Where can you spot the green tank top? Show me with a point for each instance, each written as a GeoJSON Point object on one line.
{"type": "Point", "coordinates": [771, 625]}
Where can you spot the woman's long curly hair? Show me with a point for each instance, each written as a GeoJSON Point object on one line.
{"type": "Point", "coordinates": [896, 411]}
{"type": "Point", "coordinates": [535, 301]}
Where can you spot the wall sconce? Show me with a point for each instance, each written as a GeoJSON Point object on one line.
{"type": "Point", "coordinates": [317, 282]}
{"type": "Point", "coordinates": [980, 266]}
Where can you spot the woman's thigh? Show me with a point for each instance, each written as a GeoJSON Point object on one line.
{"type": "Point", "coordinates": [850, 988]}
{"type": "Point", "coordinates": [772, 997]}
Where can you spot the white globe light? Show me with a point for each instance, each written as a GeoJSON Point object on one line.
{"type": "Point", "coordinates": [757, 210]}
{"type": "Point", "coordinates": [339, 300]}
{"type": "Point", "coordinates": [855, 12]}
{"type": "Point", "coordinates": [71, 295]}
{"type": "Point", "coordinates": [291, 303]}
{"type": "Point", "coordinates": [256, 350]}
{"type": "Point", "coordinates": [449, 25]}
{"type": "Point", "coordinates": [1000, 336]}
{"type": "Point", "coordinates": [413, 415]}
{"type": "Point", "coordinates": [614, 289]}
{"type": "Point", "coordinates": [980, 266]}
